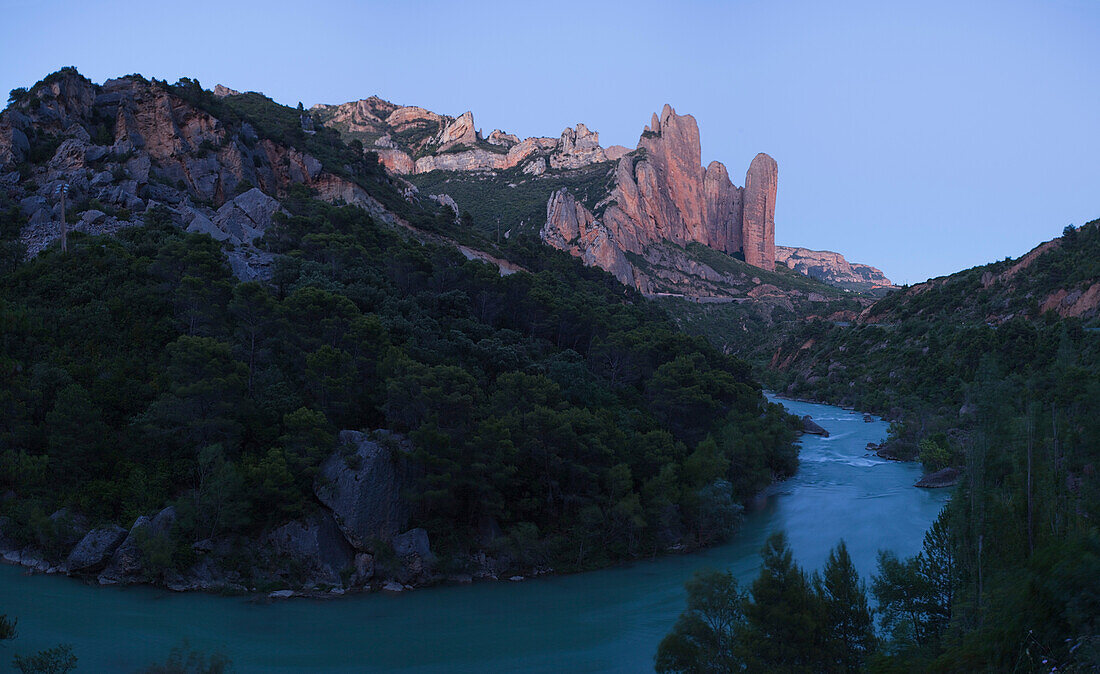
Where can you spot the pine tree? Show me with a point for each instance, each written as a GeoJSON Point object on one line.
{"type": "Point", "coordinates": [785, 617]}
{"type": "Point", "coordinates": [850, 629]}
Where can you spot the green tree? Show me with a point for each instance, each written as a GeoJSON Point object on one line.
{"type": "Point", "coordinates": [56, 660]}
{"type": "Point", "coordinates": [785, 617]}
{"type": "Point", "coordinates": [706, 636]}
{"type": "Point", "coordinates": [850, 628]}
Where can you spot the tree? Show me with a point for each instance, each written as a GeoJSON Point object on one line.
{"type": "Point", "coordinates": [705, 637]}
{"type": "Point", "coordinates": [7, 627]}
{"type": "Point", "coordinates": [850, 629]}
{"type": "Point", "coordinates": [56, 660]}
{"type": "Point", "coordinates": [784, 617]}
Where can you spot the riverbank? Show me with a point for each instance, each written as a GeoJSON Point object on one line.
{"type": "Point", "coordinates": [609, 620]}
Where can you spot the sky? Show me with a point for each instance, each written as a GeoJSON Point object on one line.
{"type": "Point", "coordinates": [919, 137]}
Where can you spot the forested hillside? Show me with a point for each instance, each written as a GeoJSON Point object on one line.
{"type": "Point", "coordinates": [994, 371]}
{"type": "Point", "coordinates": [549, 418]}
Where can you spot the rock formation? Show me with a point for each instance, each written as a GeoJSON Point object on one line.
{"type": "Point", "coordinates": [130, 144]}
{"type": "Point", "coordinates": [662, 193]}
{"type": "Point", "coordinates": [412, 140]}
{"type": "Point", "coordinates": [831, 268]}
{"type": "Point", "coordinates": [758, 228]}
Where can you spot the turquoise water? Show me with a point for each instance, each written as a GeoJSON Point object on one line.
{"type": "Point", "coordinates": [608, 620]}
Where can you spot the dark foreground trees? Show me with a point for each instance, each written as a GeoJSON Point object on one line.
{"type": "Point", "coordinates": [787, 622]}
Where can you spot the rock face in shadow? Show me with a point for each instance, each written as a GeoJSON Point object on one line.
{"type": "Point", "coordinates": [362, 484]}
{"type": "Point", "coordinates": [939, 479]}
{"type": "Point", "coordinates": [317, 544]}
{"type": "Point", "coordinates": [131, 144]}
{"type": "Point", "coordinates": [95, 549]}
{"type": "Point", "coordinates": [812, 427]}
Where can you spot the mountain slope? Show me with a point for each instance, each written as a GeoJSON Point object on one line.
{"type": "Point", "coordinates": [378, 408]}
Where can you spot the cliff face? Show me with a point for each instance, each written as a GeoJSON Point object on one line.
{"type": "Point", "coordinates": [129, 144]}
{"type": "Point", "coordinates": [412, 140]}
{"type": "Point", "coordinates": [662, 193]}
{"type": "Point", "coordinates": [758, 225]}
{"type": "Point", "coordinates": [832, 268]}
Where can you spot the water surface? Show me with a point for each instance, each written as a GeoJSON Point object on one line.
{"type": "Point", "coordinates": [608, 620]}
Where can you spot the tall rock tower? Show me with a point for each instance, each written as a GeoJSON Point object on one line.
{"type": "Point", "coordinates": [758, 225]}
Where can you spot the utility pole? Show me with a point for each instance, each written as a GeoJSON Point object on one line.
{"type": "Point", "coordinates": [63, 189]}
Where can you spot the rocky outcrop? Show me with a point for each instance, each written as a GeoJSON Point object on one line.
{"type": "Point", "coordinates": [131, 144]}
{"type": "Point", "coordinates": [947, 477]}
{"type": "Point", "coordinates": [362, 484]}
{"type": "Point", "coordinates": [318, 545]}
{"type": "Point", "coordinates": [812, 427]}
{"type": "Point", "coordinates": [412, 140]}
{"type": "Point", "coordinates": [460, 132]}
{"type": "Point", "coordinates": [577, 229]}
{"type": "Point", "coordinates": [831, 268]}
{"type": "Point", "coordinates": [661, 192]}
{"type": "Point", "coordinates": [241, 220]}
{"type": "Point", "coordinates": [758, 228]}
{"type": "Point", "coordinates": [95, 549]}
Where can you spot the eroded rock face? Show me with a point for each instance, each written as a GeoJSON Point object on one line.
{"type": "Point", "coordinates": [570, 226]}
{"type": "Point", "coordinates": [362, 485]}
{"type": "Point", "coordinates": [317, 543]}
{"type": "Point", "coordinates": [831, 267]}
{"type": "Point", "coordinates": [95, 549]}
{"type": "Point", "coordinates": [662, 193]}
{"type": "Point", "coordinates": [758, 229]}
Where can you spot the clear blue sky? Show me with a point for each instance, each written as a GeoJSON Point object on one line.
{"type": "Point", "coordinates": [921, 137]}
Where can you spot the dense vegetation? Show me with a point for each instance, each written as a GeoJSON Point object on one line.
{"type": "Point", "coordinates": [977, 378]}
{"type": "Point", "coordinates": [499, 201]}
{"type": "Point", "coordinates": [139, 372]}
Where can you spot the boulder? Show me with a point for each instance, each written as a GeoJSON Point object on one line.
{"type": "Point", "coordinates": [812, 427]}
{"type": "Point", "coordinates": [90, 217]}
{"type": "Point", "coordinates": [95, 549]}
{"type": "Point", "coordinates": [413, 542]}
{"type": "Point", "coordinates": [316, 543]}
{"type": "Point", "coordinates": [362, 484]}
{"type": "Point", "coordinates": [947, 477]}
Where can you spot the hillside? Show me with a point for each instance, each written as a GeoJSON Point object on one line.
{"type": "Point", "coordinates": [259, 362]}
{"type": "Point", "coordinates": [992, 373]}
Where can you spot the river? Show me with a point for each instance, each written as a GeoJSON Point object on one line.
{"type": "Point", "coordinates": [606, 621]}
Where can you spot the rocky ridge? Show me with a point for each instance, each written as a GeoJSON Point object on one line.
{"type": "Point", "coordinates": [662, 193]}
{"type": "Point", "coordinates": [129, 145]}
{"type": "Point", "coordinates": [832, 268]}
{"type": "Point", "coordinates": [412, 140]}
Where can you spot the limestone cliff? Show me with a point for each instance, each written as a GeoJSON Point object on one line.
{"type": "Point", "coordinates": [412, 140]}
{"type": "Point", "coordinates": [130, 144]}
{"type": "Point", "coordinates": [832, 268]}
{"type": "Point", "coordinates": [662, 193]}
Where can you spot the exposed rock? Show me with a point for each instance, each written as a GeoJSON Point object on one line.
{"type": "Point", "coordinates": [222, 91]}
{"type": "Point", "coordinates": [362, 484]}
{"type": "Point", "coordinates": [811, 426]}
{"type": "Point", "coordinates": [570, 226]}
{"type": "Point", "coordinates": [662, 192]}
{"type": "Point", "coordinates": [947, 477]}
{"type": "Point", "coordinates": [831, 267]}
{"type": "Point", "coordinates": [396, 161]}
{"type": "Point", "coordinates": [315, 543]}
{"type": "Point", "coordinates": [459, 132]}
{"type": "Point", "coordinates": [758, 229]}
{"type": "Point", "coordinates": [498, 137]}
{"type": "Point", "coordinates": [280, 594]}
{"type": "Point", "coordinates": [95, 549]}
{"type": "Point", "coordinates": [578, 147]}
{"type": "Point", "coordinates": [413, 542]}
{"type": "Point", "coordinates": [535, 167]}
